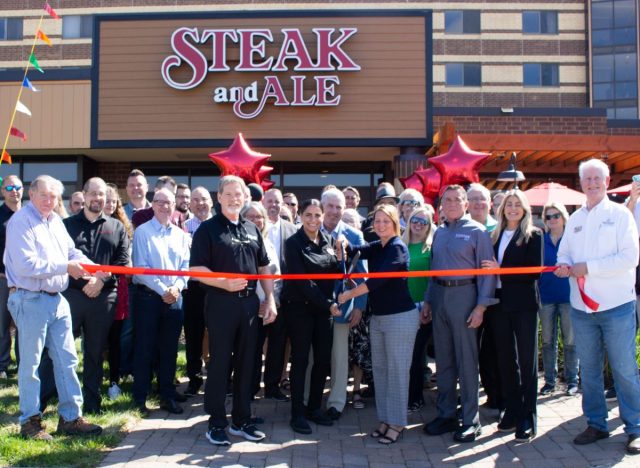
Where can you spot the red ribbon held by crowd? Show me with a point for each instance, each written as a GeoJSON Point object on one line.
{"type": "Point", "coordinates": [120, 270]}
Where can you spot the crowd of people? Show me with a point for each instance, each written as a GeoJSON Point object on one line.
{"type": "Point", "coordinates": [382, 329]}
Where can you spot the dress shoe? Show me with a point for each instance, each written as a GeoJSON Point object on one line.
{"type": "Point", "coordinates": [633, 444]}
{"type": "Point", "coordinates": [143, 409]}
{"type": "Point", "coordinates": [524, 431]}
{"type": "Point", "coordinates": [180, 397]}
{"type": "Point", "coordinates": [300, 425]}
{"type": "Point", "coordinates": [467, 433]}
{"type": "Point", "coordinates": [171, 406]}
{"type": "Point", "coordinates": [194, 386]}
{"type": "Point", "coordinates": [589, 436]}
{"type": "Point", "coordinates": [333, 414]}
{"type": "Point", "coordinates": [547, 389]}
{"type": "Point", "coordinates": [507, 422]}
{"type": "Point", "coordinates": [276, 395]}
{"type": "Point", "coordinates": [441, 426]}
{"type": "Point", "coordinates": [318, 417]}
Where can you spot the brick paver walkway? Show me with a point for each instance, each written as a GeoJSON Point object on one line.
{"type": "Point", "coordinates": [167, 440]}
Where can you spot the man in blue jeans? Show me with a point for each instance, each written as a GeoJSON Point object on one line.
{"type": "Point", "coordinates": [599, 251]}
{"type": "Point", "coordinates": [39, 258]}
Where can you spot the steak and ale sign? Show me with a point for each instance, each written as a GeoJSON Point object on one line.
{"type": "Point", "coordinates": [318, 87]}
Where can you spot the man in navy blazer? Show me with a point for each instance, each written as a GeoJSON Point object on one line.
{"type": "Point", "coordinates": [333, 204]}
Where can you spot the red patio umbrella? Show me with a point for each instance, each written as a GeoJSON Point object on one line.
{"type": "Point", "coordinates": [542, 194]}
{"type": "Point", "coordinates": [623, 190]}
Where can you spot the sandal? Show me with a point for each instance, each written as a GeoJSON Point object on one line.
{"type": "Point", "coordinates": [357, 401]}
{"type": "Point", "coordinates": [381, 431]}
{"type": "Point", "coordinates": [285, 384]}
{"type": "Point", "coordinates": [386, 440]}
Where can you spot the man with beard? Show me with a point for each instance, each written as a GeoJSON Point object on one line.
{"type": "Point", "coordinates": [103, 240]}
{"type": "Point", "coordinates": [229, 243]}
{"type": "Point", "coordinates": [137, 188]}
{"type": "Point", "coordinates": [279, 230]}
{"type": "Point", "coordinates": [183, 203]}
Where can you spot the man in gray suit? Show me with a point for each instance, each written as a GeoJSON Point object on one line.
{"type": "Point", "coordinates": [279, 230]}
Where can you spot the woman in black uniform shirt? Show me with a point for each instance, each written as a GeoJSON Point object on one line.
{"type": "Point", "coordinates": [308, 307]}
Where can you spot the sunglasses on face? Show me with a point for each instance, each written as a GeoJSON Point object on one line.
{"type": "Point", "coordinates": [11, 188]}
{"type": "Point", "coordinates": [411, 202]}
{"type": "Point", "coordinates": [553, 216]}
{"type": "Point", "coordinates": [421, 221]}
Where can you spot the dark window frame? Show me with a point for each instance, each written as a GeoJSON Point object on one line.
{"type": "Point", "coordinates": [471, 21]}
{"type": "Point", "coordinates": [466, 71]}
{"type": "Point", "coordinates": [541, 23]}
{"type": "Point", "coordinates": [552, 68]}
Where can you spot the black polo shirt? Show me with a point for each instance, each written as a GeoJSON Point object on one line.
{"type": "Point", "coordinates": [221, 245]}
{"type": "Point", "coordinates": [103, 241]}
{"type": "Point", "coordinates": [5, 215]}
{"type": "Point", "coordinates": [302, 255]}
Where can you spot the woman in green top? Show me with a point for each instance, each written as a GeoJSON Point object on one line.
{"type": "Point", "coordinates": [418, 238]}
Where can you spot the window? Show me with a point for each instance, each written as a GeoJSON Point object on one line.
{"type": "Point", "coordinates": [76, 26]}
{"type": "Point", "coordinates": [462, 22]}
{"type": "Point", "coordinates": [540, 22]}
{"type": "Point", "coordinates": [463, 74]}
{"type": "Point", "coordinates": [10, 29]}
{"type": "Point", "coordinates": [541, 74]}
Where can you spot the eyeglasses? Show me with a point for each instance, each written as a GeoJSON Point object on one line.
{"type": "Point", "coordinates": [477, 199]}
{"type": "Point", "coordinates": [291, 204]}
{"type": "Point", "coordinates": [11, 188]}
{"type": "Point", "coordinates": [553, 216]}
{"type": "Point", "coordinates": [410, 202]}
{"type": "Point", "coordinates": [421, 221]}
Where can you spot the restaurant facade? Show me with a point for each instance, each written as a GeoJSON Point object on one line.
{"type": "Point", "coordinates": [344, 93]}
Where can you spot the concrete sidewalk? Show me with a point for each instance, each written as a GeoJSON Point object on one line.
{"type": "Point", "coordinates": [166, 440]}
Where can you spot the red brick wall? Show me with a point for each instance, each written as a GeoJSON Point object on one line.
{"type": "Point", "coordinates": [114, 172]}
{"type": "Point", "coordinates": [511, 124]}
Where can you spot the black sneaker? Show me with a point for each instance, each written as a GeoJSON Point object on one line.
{"type": "Point", "coordinates": [441, 426]}
{"type": "Point", "coordinates": [610, 394]}
{"type": "Point", "coordinates": [572, 389]}
{"type": "Point", "coordinates": [217, 436]}
{"type": "Point", "coordinates": [547, 389]}
{"type": "Point", "coordinates": [320, 418]}
{"type": "Point", "coordinates": [194, 386]}
{"type": "Point", "coordinates": [300, 425]}
{"type": "Point", "coordinates": [415, 407]}
{"type": "Point", "coordinates": [248, 431]}
{"type": "Point", "coordinates": [333, 414]}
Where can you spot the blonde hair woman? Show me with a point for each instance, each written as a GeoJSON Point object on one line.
{"type": "Point", "coordinates": [513, 323]}
{"type": "Point", "coordinates": [418, 236]}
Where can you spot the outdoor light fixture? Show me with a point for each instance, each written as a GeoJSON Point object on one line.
{"type": "Point", "coordinates": [511, 174]}
{"type": "Point", "coordinates": [506, 110]}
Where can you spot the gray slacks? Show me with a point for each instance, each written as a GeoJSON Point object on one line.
{"type": "Point", "coordinates": [392, 339]}
{"type": "Point", "coordinates": [456, 347]}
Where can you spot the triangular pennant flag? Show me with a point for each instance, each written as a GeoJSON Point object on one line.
{"type": "Point", "coordinates": [22, 108]}
{"type": "Point", "coordinates": [6, 157]}
{"type": "Point", "coordinates": [51, 11]}
{"type": "Point", "coordinates": [43, 37]}
{"type": "Point", "coordinates": [27, 84]}
{"type": "Point", "coordinates": [33, 61]}
{"type": "Point", "coordinates": [17, 133]}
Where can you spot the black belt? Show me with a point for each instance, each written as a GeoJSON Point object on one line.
{"type": "Point", "coordinates": [453, 283]}
{"type": "Point", "coordinates": [14, 289]}
{"type": "Point", "coordinates": [146, 289]}
{"type": "Point", "coordinates": [246, 292]}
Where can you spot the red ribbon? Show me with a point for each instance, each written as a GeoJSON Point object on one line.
{"type": "Point", "coordinates": [120, 270]}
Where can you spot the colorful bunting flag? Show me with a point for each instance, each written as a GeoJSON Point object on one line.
{"type": "Point", "coordinates": [51, 11]}
{"type": "Point", "coordinates": [27, 84]}
{"type": "Point", "coordinates": [17, 133]}
{"type": "Point", "coordinates": [43, 37]}
{"type": "Point", "coordinates": [22, 108]}
{"type": "Point", "coordinates": [6, 157]}
{"type": "Point", "coordinates": [34, 62]}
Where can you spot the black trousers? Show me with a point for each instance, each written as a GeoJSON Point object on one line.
{"type": "Point", "coordinates": [516, 339]}
{"type": "Point", "coordinates": [488, 361]}
{"type": "Point", "coordinates": [416, 373]}
{"type": "Point", "coordinates": [274, 359]}
{"type": "Point", "coordinates": [193, 304]}
{"type": "Point", "coordinates": [115, 351]}
{"type": "Point", "coordinates": [232, 322]}
{"type": "Point", "coordinates": [92, 318]}
{"type": "Point", "coordinates": [308, 327]}
{"type": "Point", "coordinates": [156, 330]}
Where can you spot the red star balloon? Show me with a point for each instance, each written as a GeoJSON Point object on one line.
{"type": "Point", "coordinates": [431, 182]}
{"type": "Point", "coordinates": [240, 160]}
{"type": "Point", "coordinates": [261, 178]}
{"type": "Point", "coordinates": [460, 164]}
{"type": "Point", "coordinates": [413, 181]}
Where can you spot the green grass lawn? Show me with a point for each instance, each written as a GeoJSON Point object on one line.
{"type": "Point", "coordinates": [117, 417]}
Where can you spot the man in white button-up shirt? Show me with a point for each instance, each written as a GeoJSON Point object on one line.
{"type": "Point", "coordinates": [599, 250]}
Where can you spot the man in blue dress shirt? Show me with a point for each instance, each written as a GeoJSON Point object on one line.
{"type": "Point", "coordinates": [39, 257]}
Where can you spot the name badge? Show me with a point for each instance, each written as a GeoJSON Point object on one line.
{"type": "Point", "coordinates": [464, 237]}
{"type": "Point", "coordinates": [608, 222]}
{"type": "Point", "coordinates": [577, 229]}
{"type": "Point", "coordinates": [252, 237]}
{"type": "Point", "coordinates": [330, 251]}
